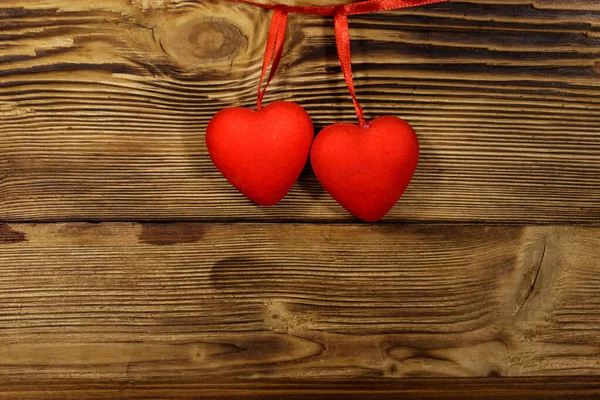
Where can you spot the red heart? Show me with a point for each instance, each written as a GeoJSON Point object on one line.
{"type": "Point", "coordinates": [366, 169]}
{"type": "Point", "coordinates": [261, 153]}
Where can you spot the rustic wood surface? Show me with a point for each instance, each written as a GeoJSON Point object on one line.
{"type": "Point", "coordinates": [103, 106]}
{"type": "Point", "coordinates": [125, 300]}
{"type": "Point", "coordinates": [573, 388]}
{"type": "Point", "coordinates": [130, 269]}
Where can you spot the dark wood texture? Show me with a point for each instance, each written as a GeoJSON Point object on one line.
{"type": "Point", "coordinates": [574, 388]}
{"type": "Point", "coordinates": [124, 300]}
{"type": "Point", "coordinates": [103, 106]}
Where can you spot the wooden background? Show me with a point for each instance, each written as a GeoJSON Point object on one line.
{"type": "Point", "coordinates": [129, 267]}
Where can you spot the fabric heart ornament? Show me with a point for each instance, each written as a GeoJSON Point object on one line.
{"type": "Point", "coordinates": [366, 168]}
{"type": "Point", "coordinates": [261, 153]}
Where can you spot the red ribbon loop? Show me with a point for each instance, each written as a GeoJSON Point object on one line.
{"type": "Point", "coordinates": [340, 13]}
{"type": "Point", "coordinates": [342, 42]}
{"type": "Point", "coordinates": [360, 7]}
{"type": "Point", "coordinates": [273, 51]}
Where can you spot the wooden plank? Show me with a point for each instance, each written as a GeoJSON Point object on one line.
{"type": "Point", "coordinates": [103, 106]}
{"type": "Point", "coordinates": [546, 388]}
{"type": "Point", "coordinates": [131, 301]}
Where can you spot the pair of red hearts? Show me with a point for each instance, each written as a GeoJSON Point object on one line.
{"type": "Point", "coordinates": [262, 153]}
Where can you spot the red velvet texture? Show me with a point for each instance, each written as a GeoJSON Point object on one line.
{"type": "Point", "coordinates": [261, 153]}
{"type": "Point", "coordinates": [366, 169]}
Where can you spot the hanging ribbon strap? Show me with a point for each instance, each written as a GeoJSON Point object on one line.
{"type": "Point", "coordinates": [273, 51]}
{"type": "Point", "coordinates": [340, 13]}
{"type": "Point", "coordinates": [342, 42]}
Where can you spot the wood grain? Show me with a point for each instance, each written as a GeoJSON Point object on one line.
{"type": "Point", "coordinates": [248, 301]}
{"type": "Point", "coordinates": [103, 106]}
{"type": "Point", "coordinates": [575, 388]}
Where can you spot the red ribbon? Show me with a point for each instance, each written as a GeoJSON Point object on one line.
{"type": "Point", "coordinates": [340, 13]}
{"type": "Point", "coordinates": [273, 51]}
